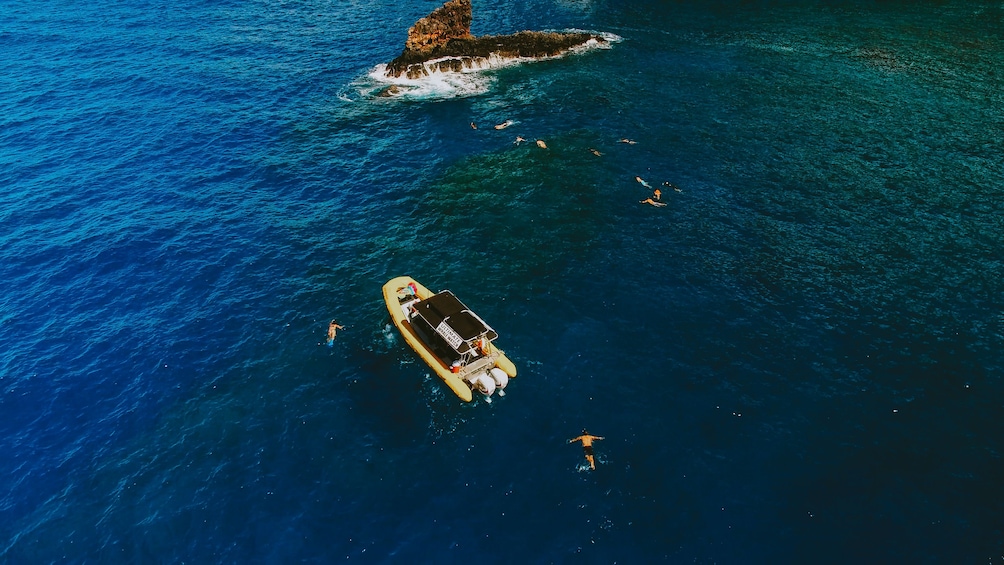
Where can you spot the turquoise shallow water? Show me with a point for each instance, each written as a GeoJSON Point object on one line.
{"type": "Point", "coordinates": [796, 360]}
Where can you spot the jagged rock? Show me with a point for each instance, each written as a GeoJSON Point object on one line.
{"type": "Point", "coordinates": [450, 21]}
{"type": "Point", "coordinates": [392, 90]}
{"type": "Point", "coordinates": [442, 41]}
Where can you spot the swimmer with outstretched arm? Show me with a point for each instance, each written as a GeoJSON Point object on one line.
{"type": "Point", "coordinates": [587, 446]}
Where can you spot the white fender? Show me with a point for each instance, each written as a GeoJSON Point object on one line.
{"type": "Point", "coordinates": [483, 383]}
{"type": "Point", "coordinates": [501, 379]}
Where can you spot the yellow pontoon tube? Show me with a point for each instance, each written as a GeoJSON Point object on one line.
{"type": "Point", "coordinates": [452, 340]}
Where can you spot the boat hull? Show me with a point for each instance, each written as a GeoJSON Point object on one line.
{"type": "Point", "coordinates": [455, 381]}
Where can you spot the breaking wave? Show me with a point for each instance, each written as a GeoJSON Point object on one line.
{"type": "Point", "coordinates": [610, 39]}
{"type": "Point", "coordinates": [435, 85]}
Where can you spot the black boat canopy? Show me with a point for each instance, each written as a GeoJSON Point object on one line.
{"type": "Point", "coordinates": [453, 321]}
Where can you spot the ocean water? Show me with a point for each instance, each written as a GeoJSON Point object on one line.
{"type": "Point", "coordinates": [797, 360]}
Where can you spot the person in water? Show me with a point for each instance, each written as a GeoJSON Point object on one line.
{"type": "Point", "coordinates": [671, 185]}
{"type": "Point", "coordinates": [655, 199]}
{"type": "Point", "coordinates": [643, 182]}
{"type": "Point", "coordinates": [333, 328]}
{"type": "Point", "coordinates": [587, 446]}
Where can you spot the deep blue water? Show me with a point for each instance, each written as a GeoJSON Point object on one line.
{"type": "Point", "coordinates": [797, 360]}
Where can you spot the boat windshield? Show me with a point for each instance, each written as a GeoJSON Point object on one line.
{"type": "Point", "coordinates": [453, 321]}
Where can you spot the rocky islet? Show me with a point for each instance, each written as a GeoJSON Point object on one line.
{"type": "Point", "coordinates": [442, 42]}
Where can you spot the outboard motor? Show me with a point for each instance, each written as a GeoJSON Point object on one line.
{"type": "Point", "coordinates": [501, 379]}
{"type": "Point", "coordinates": [483, 383]}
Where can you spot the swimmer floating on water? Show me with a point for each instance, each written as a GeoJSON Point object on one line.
{"type": "Point", "coordinates": [655, 199]}
{"type": "Point", "coordinates": [587, 446]}
{"type": "Point", "coordinates": [628, 141]}
{"type": "Point", "coordinates": [541, 144]}
{"type": "Point", "coordinates": [519, 139]}
{"type": "Point", "coordinates": [643, 183]}
{"type": "Point", "coordinates": [333, 328]}
{"type": "Point", "coordinates": [504, 124]}
{"type": "Point", "coordinates": [595, 152]}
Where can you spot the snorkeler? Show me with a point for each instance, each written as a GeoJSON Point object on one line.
{"type": "Point", "coordinates": [671, 185]}
{"type": "Point", "coordinates": [587, 446]}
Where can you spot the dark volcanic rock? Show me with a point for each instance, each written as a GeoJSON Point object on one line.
{"type": "Point", "coordinates": [450, 21]}
{"type": "Point", "coordinates": [442, 41]}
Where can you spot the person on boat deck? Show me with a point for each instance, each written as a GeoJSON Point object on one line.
{"type": "Point", "coordinates": [410, 289]}
{"type": "Point", "coordinates": [333, 328]}
{"type": "Point", "coordinates": [587, 446]}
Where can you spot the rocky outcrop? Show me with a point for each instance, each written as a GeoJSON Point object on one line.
{"type": "Point", "coordinates": [450, 21]}
{"type": "Point", "coordinates": [442, 41]}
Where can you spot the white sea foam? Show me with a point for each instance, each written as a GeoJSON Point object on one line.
{"type": "Point", "coordinates": [437, 85]}
{"type": "Point", "coordinates": [609, 38]}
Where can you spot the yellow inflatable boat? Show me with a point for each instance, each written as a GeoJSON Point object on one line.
{"type": "Point", "coordinates": [454, 341]}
